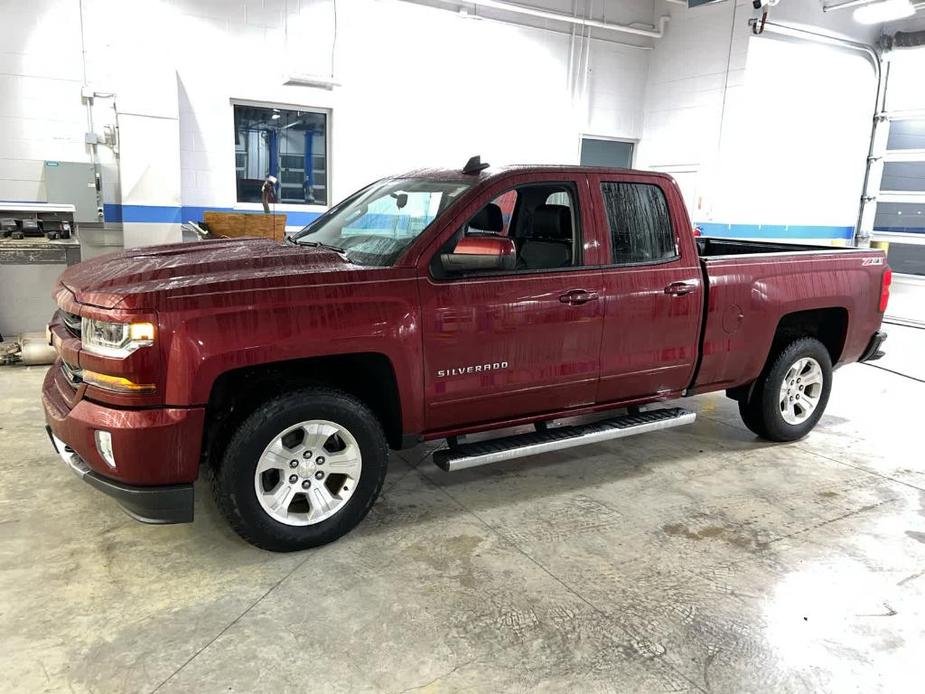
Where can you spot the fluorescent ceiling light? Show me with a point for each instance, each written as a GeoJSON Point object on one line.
{"type": "Point", "coordinates": [886, 11]}
{"type": "Point", "coordinates": [312, 81]}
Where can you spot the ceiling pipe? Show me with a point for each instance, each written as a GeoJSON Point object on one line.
{"type": "Point", "coordinates": [845, 5]}
{"type": "Point", "coordinates": [827, 39]}
{"type": "Point", "coordinates": [568, 19]}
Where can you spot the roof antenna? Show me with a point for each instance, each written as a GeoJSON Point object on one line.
{"type": "Point", "coordinates": [474, 165]}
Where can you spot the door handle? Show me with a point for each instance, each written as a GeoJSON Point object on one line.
{"type": "Point", "coordinates": [680, 288]}
{"type": "Point", "coordinates": [576, 297]}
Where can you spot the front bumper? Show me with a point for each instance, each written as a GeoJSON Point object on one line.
{"type": "Point", "coordinates": [165, 504]}
{"type": "Point", "coordinates": [873, 351]}
{"type": "Point", "coordinates": [156, 450]}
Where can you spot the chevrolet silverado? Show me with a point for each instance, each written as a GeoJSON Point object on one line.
{"type": "Point", "coordinates": [433, 305]}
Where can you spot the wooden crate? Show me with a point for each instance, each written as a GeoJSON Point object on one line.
{"type": "Point", "coordinates": [269, 226]}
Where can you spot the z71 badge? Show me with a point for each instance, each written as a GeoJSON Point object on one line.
{"type": "Point", "coordinates": [872, 261]}
{"type": "Point", "coordinates": [477, 369]}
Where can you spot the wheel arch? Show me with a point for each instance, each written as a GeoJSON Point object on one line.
{"type": "Point", "coordinates": [829, 325]}
{"type": "Point", "coordinates": [368, 376]}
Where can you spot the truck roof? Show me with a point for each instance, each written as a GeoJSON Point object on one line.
{"type": "Point", "coordinates": [438, 174]}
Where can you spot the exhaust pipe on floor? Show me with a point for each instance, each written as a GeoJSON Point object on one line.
{"type": "Point", "coordinates": [34, 350]}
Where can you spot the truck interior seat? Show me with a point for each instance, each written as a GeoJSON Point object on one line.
{"type": "Point", "coordinates": [548, 241]}
{"type": "Point", "coordinates": [488, 220]}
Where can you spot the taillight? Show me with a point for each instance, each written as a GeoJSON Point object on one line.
{"type": "Point", "coordinates": [885, 282]}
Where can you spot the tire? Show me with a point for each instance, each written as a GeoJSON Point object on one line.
{"type": "Point", "coordinates": [752, 417]}
{"type": "Point", "coordinates": [772, 413]}
{"type": "Point", "coordinates": [301, 524]}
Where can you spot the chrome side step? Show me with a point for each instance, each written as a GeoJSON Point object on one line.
{"type": "Point", "coordinates": [508, 447]}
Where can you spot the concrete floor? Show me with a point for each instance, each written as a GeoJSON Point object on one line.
{"type": "Point", "coordinates": [696, 559]}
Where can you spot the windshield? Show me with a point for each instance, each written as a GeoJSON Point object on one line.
{"type": "Point", "coordinates": [373, 226]}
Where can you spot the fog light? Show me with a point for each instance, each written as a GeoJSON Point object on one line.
{"type": "Point", "coordinates": [104, 446]}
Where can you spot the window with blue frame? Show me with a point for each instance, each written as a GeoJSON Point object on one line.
{"type": "Point", "coordinates": [288, 144]}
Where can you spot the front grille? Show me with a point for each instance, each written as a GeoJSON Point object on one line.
{"type": "Point", "coordinates": [72, 374]}
{"type": "Point", "coordinates": [71, 322]}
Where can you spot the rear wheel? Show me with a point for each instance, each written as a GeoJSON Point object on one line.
{"type": "Point", "coordinates": [792, 392]}
{"type": "Point", "coordinates": [302, 470]}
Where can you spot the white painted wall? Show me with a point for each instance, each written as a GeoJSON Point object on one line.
{"type": "Point", "coordinates": [420, 86]}
{"type": "Point", "coordinates": [795, 143]}
{"type": "Point", "coordinates": [760, 130]}
{"type": "Point", "coordinates": [41, 116]}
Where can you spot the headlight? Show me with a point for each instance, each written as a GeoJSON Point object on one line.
{"type": "Point", "coordinates": [114, 339]}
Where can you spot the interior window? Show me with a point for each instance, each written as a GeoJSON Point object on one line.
{"type": "Point", "coordinates": [289, 145]}
{"type": "Point", "coordinates": [640, 226]}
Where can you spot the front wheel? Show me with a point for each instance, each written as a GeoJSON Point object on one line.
{"type": "Point", "coordinates": [791, 394]}
{"type": "Point", "coordinates": [302, 470]}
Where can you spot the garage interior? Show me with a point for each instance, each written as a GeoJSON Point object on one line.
{"type": "Point", "coordinates": [696, 559]}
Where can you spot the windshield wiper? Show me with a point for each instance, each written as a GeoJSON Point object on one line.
{"type": "Point", "coordinates": [319, 244]}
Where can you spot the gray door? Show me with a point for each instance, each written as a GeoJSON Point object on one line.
{"type": "Point", "coordinates": [596, 152]}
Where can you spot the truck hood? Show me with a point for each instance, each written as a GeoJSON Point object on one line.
{"type": "Point", "coordinates": [133, 279]}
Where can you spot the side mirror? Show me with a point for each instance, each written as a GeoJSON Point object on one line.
{"type": "Point", "coordinates": [481, 253]}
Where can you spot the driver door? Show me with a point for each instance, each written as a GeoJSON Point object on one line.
{"type": "Point", "coordinates": [505, 344]}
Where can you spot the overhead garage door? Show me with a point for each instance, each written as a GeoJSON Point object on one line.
{"type": "Point", "coordinates": [900, 217]}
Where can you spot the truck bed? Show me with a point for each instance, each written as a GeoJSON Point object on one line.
{"type": "Point", "coordinates": [751, 286]}
{"type": "Point", "coordinates": [711, 247]}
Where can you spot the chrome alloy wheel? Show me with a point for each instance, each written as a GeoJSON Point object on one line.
{"type": "Point", "coordinates": [800, 391]}
{"type": "Point", "coordinates": [308, 472]}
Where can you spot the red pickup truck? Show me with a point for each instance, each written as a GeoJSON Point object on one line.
{"type": "Point", "coordinates": [426, 306]}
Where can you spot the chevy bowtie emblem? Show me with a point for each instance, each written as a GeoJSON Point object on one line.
{"type": "Point", "coordinates": [476, 369]}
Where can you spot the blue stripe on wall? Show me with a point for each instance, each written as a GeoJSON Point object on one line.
{"type": "Point", "coordinates": [112, 213]}
{"type": "Point", "coordinates": [142, 213]}
{"type": "Point", "coordinates": [775, 231]}
{"type": "Point", "coordinates": [176, 215]}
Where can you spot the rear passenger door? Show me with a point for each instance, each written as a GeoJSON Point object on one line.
{"type": "Point", "coordinates": [501, 345]}
{"type": "Point", "coordinates": [653, 298]}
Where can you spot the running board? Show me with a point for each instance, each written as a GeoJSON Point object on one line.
{"type": "Point", "coordinates": [469, 455]}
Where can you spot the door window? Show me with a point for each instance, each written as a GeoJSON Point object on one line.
{"type": "Point", "coordinates": [640, 226]}
{"type": "Point", "coordinates": [541, 218]}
